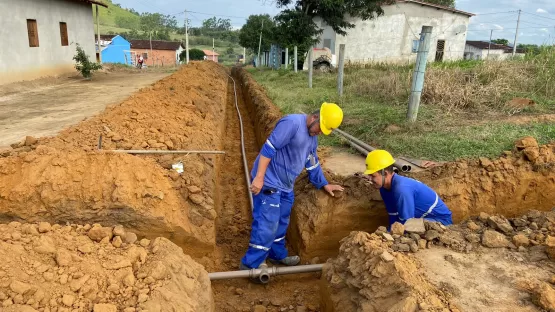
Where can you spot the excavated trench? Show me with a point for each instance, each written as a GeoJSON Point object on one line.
{"type": "Point", "coordinates": [205, 209]}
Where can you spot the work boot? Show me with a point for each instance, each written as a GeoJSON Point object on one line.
{"type": "Point", "coordinates": [289, 261]}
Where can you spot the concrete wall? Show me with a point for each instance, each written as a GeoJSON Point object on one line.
{"type": "Point", "coordinates": [21, 62]}
{"type": "Point", "coordinates": [473, 53]}
{"type": "Point", "coordinates": [117, 51]}
{"type": "Point", "coordinates": [389, 38]}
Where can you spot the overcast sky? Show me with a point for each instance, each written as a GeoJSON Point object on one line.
{"type": "Point", "coordinates": [537, 20]}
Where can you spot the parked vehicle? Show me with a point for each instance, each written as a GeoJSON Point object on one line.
{"type": "Point", "coordinates": [323, 60]}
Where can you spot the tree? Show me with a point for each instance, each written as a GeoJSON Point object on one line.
{"type": "Point", "coordinates": [500, 41]}
{"type": "Point", "coordinates": [194, 55]}
{"type": "Point", "coordinates": [333, 12]}
{"type": "Point", "coordinates": [83, 64]}
{"type": "Point", "coordinates": [230, 50]}
{"type": "Point", "coordinates": [250, 32]}
{"type": "Point", "coordinates": [293, 28]}
{"type": "Point", "coordinates": [447, 3]}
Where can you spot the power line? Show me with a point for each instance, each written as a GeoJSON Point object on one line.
{"type": "Point", "coordinates": [218, 15]}
{"type": "Point", "coordinates": [510, 28]}
{"type": "Point", "coordinates": [494, 13]}
{"type": "Point", "coordinates": [549, 18]}
{"type": "Point", "coordinates": [535, 24]}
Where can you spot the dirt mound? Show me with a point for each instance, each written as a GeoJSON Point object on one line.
{"type": "Point", "coordinates": [369, 276]}
{"type": "Point", "coordinates": [55, 186]}
{"type": "Point", "coordinates": [526, 177]}
{"type": "Point", "coordinates": [261, 109]}
{"type": "Point", "coordinates": [95, 268]}
{"type": "Point", "coordinates": [110, 188]}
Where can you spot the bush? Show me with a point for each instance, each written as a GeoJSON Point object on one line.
{"type": "Point", "coordinates": [194, 55]}
{"type": "Point", "coordinates": [83, 64]}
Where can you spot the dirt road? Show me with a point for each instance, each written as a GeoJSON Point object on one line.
{"type": "Point", "coordinates": [45, 108]}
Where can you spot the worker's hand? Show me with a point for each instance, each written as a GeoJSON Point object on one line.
{"type": "Point", "coordinates": [330, 188]}
{"type": "Point", "coordinates": [257, 185]}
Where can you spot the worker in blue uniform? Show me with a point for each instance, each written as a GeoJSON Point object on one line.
{"type": "Point", "coordinates": [404, 198]}
{"type": "Point", "coordinates": [290, 148]}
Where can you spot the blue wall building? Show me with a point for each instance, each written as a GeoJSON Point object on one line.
{"type": "Point", "coordinates": [117, 51]}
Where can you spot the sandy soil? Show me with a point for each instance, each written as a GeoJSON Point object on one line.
{"type": "Point", "coordinates": [44, 107]}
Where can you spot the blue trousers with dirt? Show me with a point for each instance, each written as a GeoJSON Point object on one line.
{"type": "Point", "coordinates": [272, 209]}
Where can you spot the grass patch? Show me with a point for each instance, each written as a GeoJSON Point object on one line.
{"type": "Point", "coordinates": [374, 100]}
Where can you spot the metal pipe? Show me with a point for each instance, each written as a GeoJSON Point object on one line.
{"type": "Point", "coordinates": [244, 154]}
{"type": "Point", "coordinates": [273, 271]}
{"type": "Point", "coordinates": [403, 166]}
{"type": "Point", "coordinates": [165, 152]}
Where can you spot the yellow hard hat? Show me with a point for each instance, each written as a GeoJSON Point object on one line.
{"type": "Point", "coordinates": [331, 117]}
{"type": "Point", "coordinates": [378, 160]}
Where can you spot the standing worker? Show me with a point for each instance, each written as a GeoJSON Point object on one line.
{"type": "Point", "coordinates": [404, 197]}
{"type": "Point", "coordinates": [290, 148]}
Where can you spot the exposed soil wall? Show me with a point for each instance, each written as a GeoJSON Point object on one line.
{"type": "Point", "coordinates": [262, 111]}
{"type": "Point", "coordinates": [81, 184]}
{"type": "Point", "coordinates": [95, 268]}
{"type": "Point", "coordinates": [512, 185]}
{"type": "Point", "coordinates": [368, 276]}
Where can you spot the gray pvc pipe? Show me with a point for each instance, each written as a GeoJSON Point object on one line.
{"type": "Point", "coordinates": [403, 166]}
{"type": "Point", "coordinates": [164, 152]}
{"type": "Point", "coordinates": [272, 271]}
{"type": "Point", "coordinates": [245, 166]}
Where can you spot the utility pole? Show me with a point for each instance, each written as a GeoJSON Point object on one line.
{"type": "Point", "coordinates": [186, 38]}
{"type": "Point", "coordinates": [489, 46]}
{"type": "Point", "coordinates": [98, 36]}
{"type": "Point", "coordinates": [419, 73]}
{"type": "Point", "coordinates": [295, 65]}
{"type": "Point", "coordinates": [310, 67]}
{"type": "Point", "coordinates": [151, 56]}
{"type": "Point", "coordinates": [260, 41]}
{"type": "Point", "coordinates": [286, 58]}
{"type": "Point", "coordinates": [516, 35]}
{"type": "Point", "coordinates": [213, 50]}
{"type": "Point", "coordinates": [244, 55]}
{"type": "Point", "coordinates": [341, 68]}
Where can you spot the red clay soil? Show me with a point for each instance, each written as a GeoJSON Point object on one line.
{"type": "Point", "coordinates": [66, 178]}
{"type": "Point", "coordinates": [512, 185]}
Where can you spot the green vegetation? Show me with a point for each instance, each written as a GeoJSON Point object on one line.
{"type": "Point", "coordinates": [82, 63]}
{"type": "Point", "coordinates": [194, 55]}
{"type": "Point", "coordinates": [464, 113]}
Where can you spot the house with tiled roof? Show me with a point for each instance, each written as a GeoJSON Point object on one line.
{"type": "Point", "coordinates": [157, 52]}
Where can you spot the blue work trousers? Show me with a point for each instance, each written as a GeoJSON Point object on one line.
{"type": "Point", "coordinates": [270, 220]}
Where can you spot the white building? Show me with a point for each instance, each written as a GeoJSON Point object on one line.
{"type": "Point", "coordinates": [394, 36]}
{"type": "Point", "coordinates": [38, 37]}
{"type": "Point", "coordinates": [481, 50]}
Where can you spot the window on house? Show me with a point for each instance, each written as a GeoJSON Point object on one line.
{"type": "Point", "coordinates": [415, 45]}
{"type": "Point", "coordinates": [145, 55]}
{"type": "Point", "coordinates": [63, 34]}
{"type": "Point", "coordinates": [33, 33]}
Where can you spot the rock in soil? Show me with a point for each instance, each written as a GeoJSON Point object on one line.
{"type": "Point", "coordinates": [397, 229]}
{"type": "Point", "coordinates": [494, 239]}
{"type": "Point", "coordinates": [415, 225]}
{"type": "Point", "coordinates": [56, 265]}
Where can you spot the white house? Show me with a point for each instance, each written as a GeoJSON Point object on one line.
{"type": "Point", "coordinates": [394, 36]}
{"type": "Point", "coordinates": [38, 36]}
{"type": "Point", "coordinates": [481, 50]}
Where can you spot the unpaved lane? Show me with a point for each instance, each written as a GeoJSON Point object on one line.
{"type": "Point", "coordinates": [47, 109]}
{"type": "Point", "coordinates": [234, 230]}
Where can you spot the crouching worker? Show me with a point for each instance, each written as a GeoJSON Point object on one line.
{"type": "Point", "coordinates": [290, 148]}
{"type": "Point", "coordinates": [404, 197]}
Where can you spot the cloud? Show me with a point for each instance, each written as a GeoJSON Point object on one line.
{"type": "Point", "coordinates": [498, 27]}
{"type": "Point", "coordinates": [544, 30]}
{"type": "Point", "coordinates": [540, 10]}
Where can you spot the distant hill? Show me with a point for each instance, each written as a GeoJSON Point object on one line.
{"type": "Point", "coordinates": [114, 15]}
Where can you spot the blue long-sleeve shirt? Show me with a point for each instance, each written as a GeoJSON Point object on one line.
{"type": "Point", "coordinates": [291, 149]}
{"type": "Point", "coordinates": [409, 198]}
